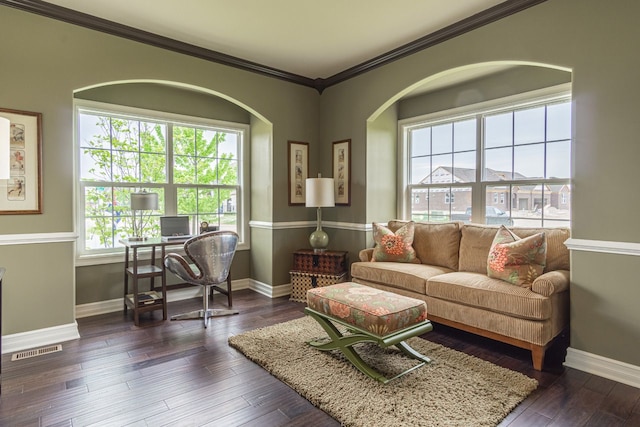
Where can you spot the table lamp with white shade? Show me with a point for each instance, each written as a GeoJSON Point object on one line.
{"type": "Point", "coordinates": [142, 201]}
{"type": "Point", "coordinates": [319, 194]}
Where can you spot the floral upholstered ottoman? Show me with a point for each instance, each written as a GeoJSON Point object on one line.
{"type": "Point", "coordinates": [370, 315]}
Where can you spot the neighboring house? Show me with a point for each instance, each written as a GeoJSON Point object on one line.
{"type": "Point", "coordinates": [525, 198]}
{"type": "Point", "coordinates": [458, 199]}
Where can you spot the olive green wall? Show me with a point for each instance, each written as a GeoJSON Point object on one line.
{"type": "Point", "coordinates": [522, 78]}
{"type": "Point", "coordinates": [596, 42]}
{"type": "Point", "coordinates": [46, 62]}
{"type": "Point", "coordinates": [170, 99]}
{"type": "Point", "coordinates": [37, 288]}
{"type": "Point", "coordinates": [381, 166]}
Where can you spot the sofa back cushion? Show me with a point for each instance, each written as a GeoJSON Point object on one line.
{"type": "Point", "coordinates": [476, 241]}
{"type": "Point", "coordinates": [435, 243]}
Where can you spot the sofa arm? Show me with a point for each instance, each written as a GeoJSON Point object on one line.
{"type": "Point", "coordinates": [551, 282]}
{"type": "Point", "coordinates": [365, 254]}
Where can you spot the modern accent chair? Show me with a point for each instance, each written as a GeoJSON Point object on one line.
{"type": "Point", "coordinates": [207, 264]}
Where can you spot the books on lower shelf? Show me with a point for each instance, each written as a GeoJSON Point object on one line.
{"type": "Point", "coordinates": [146, 298]}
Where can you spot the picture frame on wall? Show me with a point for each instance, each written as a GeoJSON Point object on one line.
{"type": "Point", "coordinates": [298, 161]}
{"type": "Point", "coordinates": [22, 192]}
{"type": "Point", "coordinates": [342, 172]}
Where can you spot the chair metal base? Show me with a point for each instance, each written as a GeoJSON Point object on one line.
{"type": "Point", "coordinates": [199, 314]}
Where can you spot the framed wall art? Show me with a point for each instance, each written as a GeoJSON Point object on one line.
{"type": "Point", "coordinates": [22, 192]}
{"type": "Point", "coordinates": [342, 171]}
{"type": "Point", "coordinates": [298, 156]}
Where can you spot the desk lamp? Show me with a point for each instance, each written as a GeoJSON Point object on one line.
{"type": "Point", "coordinates": [319, 194]}
{"type": "Point", "coordinates": [142, 201]}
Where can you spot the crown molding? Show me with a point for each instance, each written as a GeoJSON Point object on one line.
{"type": "Point", "coordinates": [473, 22]}
{"type": "Point", "coordinates": [113, 28]}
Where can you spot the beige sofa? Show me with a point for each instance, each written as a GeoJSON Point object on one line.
{"type": "Point", "coordinates": [452, 279]}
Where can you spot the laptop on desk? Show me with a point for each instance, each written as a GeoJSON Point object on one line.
{"type": "Point", "coordinates": [174, 228]}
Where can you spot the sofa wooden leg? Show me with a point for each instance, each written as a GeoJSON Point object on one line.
{"type": "Point", "coordinates": [537, 354]}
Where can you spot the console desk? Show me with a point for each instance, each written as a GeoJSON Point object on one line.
{"type": "Point", "coordinates": [145, 301]}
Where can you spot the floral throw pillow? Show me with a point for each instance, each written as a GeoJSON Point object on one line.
{"type": "Point", "coordinates": [515, 260]}
{"type": "Point", "coordinates": [394, 247]}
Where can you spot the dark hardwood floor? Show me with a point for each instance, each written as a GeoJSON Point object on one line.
{"type": "Point", "coordinates": [178, 373]}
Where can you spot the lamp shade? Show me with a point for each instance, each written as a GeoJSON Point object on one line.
{"type": "Point", "coordinates": [5, 154]}
{"type": "Point", "coordinates": [144, 201]}
{"type": "Point", "coordinates": [319, 193]}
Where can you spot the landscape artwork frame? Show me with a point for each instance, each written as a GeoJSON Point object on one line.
{"type": "Point", "coordinates": [298, 161]}
{"type": "Point", "coordinates": [342, 172]}
{"type": "Point", "coordinates": [21, 194]}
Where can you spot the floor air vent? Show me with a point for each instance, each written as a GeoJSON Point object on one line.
{"type": "Point", "coordinates": [36, 352]}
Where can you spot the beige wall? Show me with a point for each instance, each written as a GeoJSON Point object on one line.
{"type": "Point", "coordinates": [591, 38]}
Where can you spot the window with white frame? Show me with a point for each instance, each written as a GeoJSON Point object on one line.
{"type": "Point", "coordinates": [194, 165]}
{"type": "Point", "coordinates": [508, 162]}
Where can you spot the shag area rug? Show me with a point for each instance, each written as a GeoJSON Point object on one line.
{"type": "Point", "coordinates": [453, 390]}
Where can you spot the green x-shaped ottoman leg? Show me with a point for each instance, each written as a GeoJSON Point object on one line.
{"type": "Point", "coordinates": [345, 342]}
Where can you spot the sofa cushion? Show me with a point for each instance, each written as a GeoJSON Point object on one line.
{"type": "Point", "coordinates": [476, 241]}
{"type": "Point", "coordinates": [435, 244]}
{"type": "Point", "coordinates": [394, 246]}
{"type": "Point", "coordinates": [410, 277]}
{"type": "Point", "coordinates": [515, 260]}
{"type": "Point", "coordinates": [480, 291]}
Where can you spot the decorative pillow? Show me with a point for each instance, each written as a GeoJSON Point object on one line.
{"type": "Point", "coordinates": [394, 247]}
{"type": "Point", "coordinates": [515, 260]}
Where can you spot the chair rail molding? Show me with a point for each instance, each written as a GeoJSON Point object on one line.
{"type": "Point", "coordinates": [603, 246]}
{"type": "Point", "coordinates": [34, 238]}
{"type": "Point", "coordinates": [307, 224]}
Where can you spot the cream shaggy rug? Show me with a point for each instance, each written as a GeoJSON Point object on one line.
{"type": "Point", "coordinates": [453, 390]}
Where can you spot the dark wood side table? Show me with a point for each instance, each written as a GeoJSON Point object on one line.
{"type": "Point", "coordinates": [312, 269]}
{"type": "Point", "coordinates": [142, 302]}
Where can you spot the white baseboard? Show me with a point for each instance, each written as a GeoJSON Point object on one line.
{"type": "Point", "coordinates": [621, 372]}
{"type": "Point", "coordinates": [58, 334]}
{"type": "Point", "coordinates": [39, 338]}
{"type": "Point", "coordinates": [109, 306]}
{"type": "Point", "coordinates": [270, 291]}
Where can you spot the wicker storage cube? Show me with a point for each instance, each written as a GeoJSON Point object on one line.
{"type": "Point", "coordinates": [302, 282]}
{"type": "Point", "coordinates": [327, 262]}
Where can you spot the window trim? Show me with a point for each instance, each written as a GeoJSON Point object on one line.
{"type": "Point", "coordinates": [517, 101]}
{"type": "Point", "coordinates": [115, 254]}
